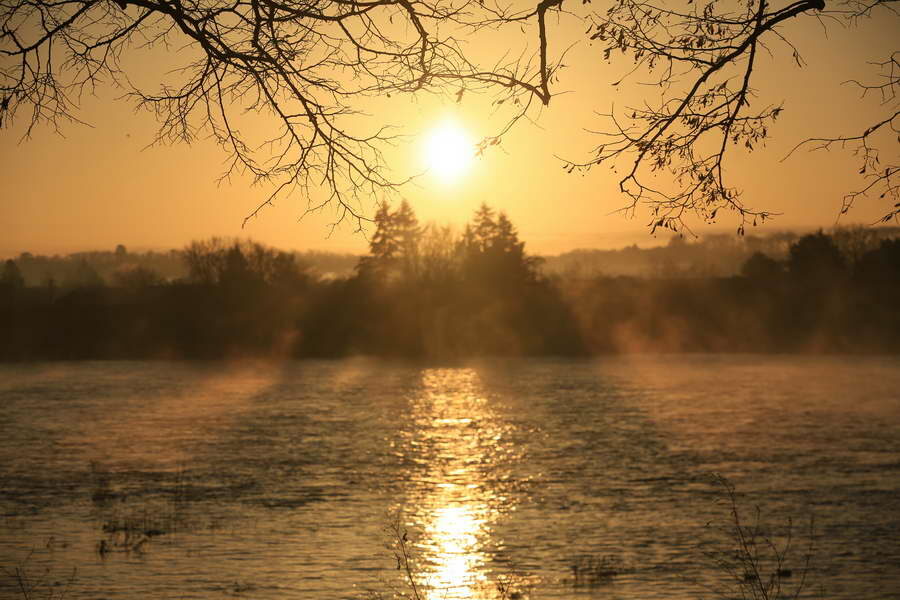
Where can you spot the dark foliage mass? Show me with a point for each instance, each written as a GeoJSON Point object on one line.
{"type": "Point", "coordinates": [426, 292]}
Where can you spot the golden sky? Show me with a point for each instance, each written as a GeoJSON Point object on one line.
{"type": "Point", "coordinates": [95, 186]}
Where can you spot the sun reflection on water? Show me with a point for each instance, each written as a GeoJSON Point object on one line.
{"type": "Point", "coordinates": [453, 504]}
{"type": "Point", "coordinates": [457, 561]}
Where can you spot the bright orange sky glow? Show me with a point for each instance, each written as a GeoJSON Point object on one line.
{"type": "Point", "coordinates": [92, 187]}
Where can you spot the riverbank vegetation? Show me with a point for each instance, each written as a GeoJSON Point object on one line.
{"type": "Point", "coordinates": [427, 292]}
{"type": "Point", "coordinates": [739, 554]}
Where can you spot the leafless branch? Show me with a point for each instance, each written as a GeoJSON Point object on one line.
{"type": "Point", "coordinates": [704, 57]}
{"type": "Point", "coordinates": [878, 169]}
{"type": "Point", "coordinates": [301, 65]}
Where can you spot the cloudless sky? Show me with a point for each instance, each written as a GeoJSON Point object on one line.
{"type": "Point", "coordinates": [93, 186]}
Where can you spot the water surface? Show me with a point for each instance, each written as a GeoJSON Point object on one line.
{"type": "Point", "coordinates": [192, 480]}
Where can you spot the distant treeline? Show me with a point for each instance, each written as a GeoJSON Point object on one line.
{"type": "Point", "coordinates": [712, 255]}
{"type": "Point", "coordinates": [428, 292]}
{"type": "Point", "coordinates": [110, 267]}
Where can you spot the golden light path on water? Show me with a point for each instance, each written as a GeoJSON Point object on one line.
{"type": "Point", "coordinates": [463, 440]}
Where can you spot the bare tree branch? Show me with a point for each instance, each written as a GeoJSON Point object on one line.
{"type": "Point", "coordinates": [880, 177]}
{"type": "Point", "coordinates": [303, 64]}
{"type": "Point", "coordinates": [688, 131]}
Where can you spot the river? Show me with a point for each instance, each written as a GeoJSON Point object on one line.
{"type": "Point", "coordinates": [603, 478]}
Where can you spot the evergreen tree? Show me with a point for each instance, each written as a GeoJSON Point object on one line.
{"type": "Point", "coordinates": [383, 247]}
{"type": "Point", "coordinates": [394, 247]}
{"type": "Point", "coordinates": [492, 252]}
{"type": "Point", "coordinates": [484, 227]}
{"type": "Point", "coordinates": [407, 234]}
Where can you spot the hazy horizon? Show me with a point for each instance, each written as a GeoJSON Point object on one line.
{"type": "Point", "coordinates": [556, 247]}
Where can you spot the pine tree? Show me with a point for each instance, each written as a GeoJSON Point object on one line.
{"type": "Point", "coordinates": [384, 246]}
{"type": "Point", "coordinates": [394, 247]}
{"type": "Point", "coordinates": [492, 254]}
{"type": "Point", "coordinates": [408, 235]}
{"type": "Point", "coordinates": [484, 227]}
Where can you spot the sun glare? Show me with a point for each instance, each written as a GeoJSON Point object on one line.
{"type": "Point", "coordinates": [449, 151]}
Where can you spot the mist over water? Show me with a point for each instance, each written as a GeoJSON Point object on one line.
{"type": "Point", "coordinates": [276, 481]}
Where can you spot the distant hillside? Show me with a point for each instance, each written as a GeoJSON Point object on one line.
{"type": "Point", "coordinates": [89, 267]}
{"type": "Point", "coordinates": [718, 255]}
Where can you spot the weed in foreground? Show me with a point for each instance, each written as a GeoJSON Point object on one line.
{"type": "Point", "coordinates": [753, 563]}
{"type": "Point", "coordinates": [508, 586]}
{"type": "Point", "coordinates": [593, 571]}
{"type": "Point", "coordinates": [746, 561]}
{"type": "Point", "coordinates": [129, 526]}
{"type": "Point", "coordinates": [41, 587]}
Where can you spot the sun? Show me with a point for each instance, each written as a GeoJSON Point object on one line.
{"type": "Point", "coordinates": [448, 151]}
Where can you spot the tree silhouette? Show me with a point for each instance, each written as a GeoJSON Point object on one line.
{"type": "Point", "coordinates": [815, 258]}
{"type": "Point", "coordinates": [880, 266]}
{"type": "Point", "coordinates": [394, 246]}
{"type": "Point", "coordinates": [309, 66]}
{"type": "Point", "coordinates": [408, 234]}
{"type": "Point", "coordinates": [236, 274]}
{"type": "Point", "coordinates": [761, 268]}
{"type": "Point", "coordinates": [136, 277]}
{"type": "Point", "coordinates": [384, 246]}
{"type": "Point", "coordinates": [422, 291]}
{"type": "Point", "coordinates": [492, 253]}
{"type": "Point", "coordinates": [85, 275]}
{"type": "Point", "coordinates": [11, 277]}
